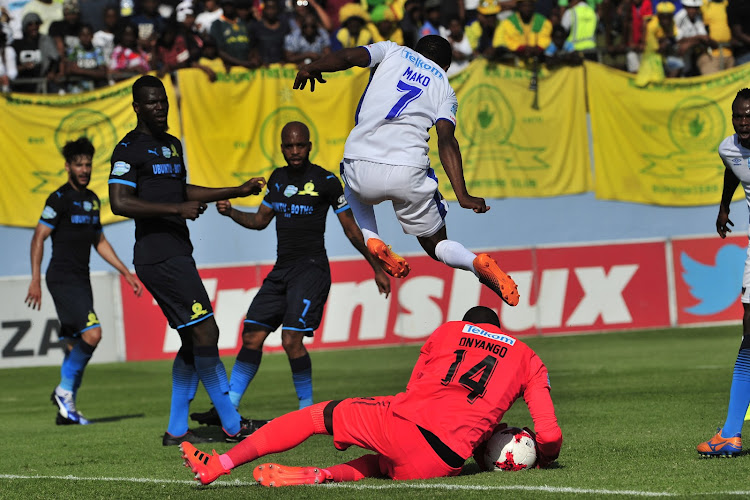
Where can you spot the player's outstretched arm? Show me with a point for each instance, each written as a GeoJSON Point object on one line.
{"type": "Point", "coordinates": [354, 233]}
{"type": "Point", "coordinates": [207, 195]}
{"type": "Point", "coordinates": [108, 253]}
{"type": "Point", "coordinates": [251, 220]}
{"type": "Point", "coordinates": [450, 157]}
{"type": "Point", "coordinates": [124, 202]}
{"type": "Point", "coordinates": [730, 186]}
{"type": "Point", "coordinates": [334, 61]}
{"type": "Point", "coordinates": [34, 295]}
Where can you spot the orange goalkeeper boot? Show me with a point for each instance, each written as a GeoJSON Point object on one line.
{"type": "Point", "coordinates": [282, 475]}
{"type": "Point", "coordinates": [207, 468]}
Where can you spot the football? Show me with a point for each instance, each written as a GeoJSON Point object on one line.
{"type": "Point", "coordinates": [510, 448]}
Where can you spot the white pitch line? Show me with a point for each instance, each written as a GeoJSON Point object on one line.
{"type": "Point", "coordinates": [394, 485]}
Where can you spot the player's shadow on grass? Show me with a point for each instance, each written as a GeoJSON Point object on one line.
{"type": "Point", "coordinates": [115, 418]}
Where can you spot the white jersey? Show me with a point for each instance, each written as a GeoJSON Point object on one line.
{"type": "Point", "coordinates": [406, 96]}
{"type": "Point", "coordinates": [737, 158]}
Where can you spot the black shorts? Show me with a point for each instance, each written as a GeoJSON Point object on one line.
{"type": "Point", "coordinates": [74, 303]}
{"type": "Point", "coordinates": [293, 295]}
{"type": "Point", "coordinates": [178, 289]}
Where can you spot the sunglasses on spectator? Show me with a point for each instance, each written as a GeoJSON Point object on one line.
{"type": "Point", "coordinates": [308, 26]}
{"type": "Point", "coordinates": [301, 3]}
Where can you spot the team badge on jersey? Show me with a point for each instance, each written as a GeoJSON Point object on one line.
{"type": "Point", "coordinates": [49, 213]}
{"type": "Point", "coordinates": [736, 161]}
{"type": "Point", "coordinates": [120, 168]}
{"type": "Point", "coordinates": [166, 152]}
{"type": "Point", "coordinates": [290, 191]}
{"type": "Point", "coordinates": [92, 319]}
{"type": "Point", "coordinates": [87, 206]}
{"type": "Point", "coordinates": [309, 189]}
{"type": "Point", "coordinates": [198, 310]}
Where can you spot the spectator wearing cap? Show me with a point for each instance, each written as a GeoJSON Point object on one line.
{"type": "Point", "coordinates": [714, 14]}
{"type": "Point", "coordinates": [36, 55]}
{"type": "Point", "coordinates": [232, 39]}
{"type": "Point", "coordinates": [8, 65]}
{"type": "Point", "coordinates": [432, 18]}
{"type": "Point", "coordinates": [307, 44]}
{"type": "Point", "coordinates": [48, 11]}
{"type": "Point", "coordinates": [580, 21]}
{"type": "Point", "coordinates": [481, 32]}
{"type": "Point", "coordinates": [211, 12]}
{"type": "Point", "coordinates": [661, 48]}
{"type": "Point", "coordinates": [65, 32]}
{"type": "Point", "coordinates": [356, 29]}
{"type": "Point", "coordinates": [692, 37]}
{"type": "Point", "coordinates": [738, 17]}
{"type": "Point", "coordinates": [385, 18]}
{"type": "Point", "coordinates": [268, 34]}
{"type": "Point", "coordinates": [525, 32]}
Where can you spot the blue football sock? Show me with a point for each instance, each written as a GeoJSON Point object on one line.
{"type": "Point", "coordinates": [244, 370]}
{"type": "Point", "coordinates": [71, 371]}
{"type": "Point", "coordinates": [214, 377]}
{"type": "Point", "coordinates": [739, 395]}
{"type": "Point", "coordinates": [184, 385]}
{"type": "Point", "coordinates": [77, 383]}
{"type": "Point", "coordinates": [302, 377]}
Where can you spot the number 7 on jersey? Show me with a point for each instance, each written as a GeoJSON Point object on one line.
{"type": "Point", "coordinates": [410, 93]}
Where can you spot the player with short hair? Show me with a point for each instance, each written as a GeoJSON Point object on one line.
{"type": "Point", "coordinates": [469, 373]}
{"type": "Point", "coordinates": [71, 218]}
{"type": "Point", "coordinates": [295, 291]}
{"type": "Point", "coordinates": [385, 155]}
{"type": "Point", "coordinates": [148, 183]}
{"type": "Point", "coordinates": [734, 152]}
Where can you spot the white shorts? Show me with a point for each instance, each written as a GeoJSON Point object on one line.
{"type": "Point", "coordinates": [418, 204]}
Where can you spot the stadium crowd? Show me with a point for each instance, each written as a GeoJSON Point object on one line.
{"type": "Point", "coordinates": [69, 46]}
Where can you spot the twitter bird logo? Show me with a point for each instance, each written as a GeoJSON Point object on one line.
{"type": "Point", "coordinates": [715, 287]}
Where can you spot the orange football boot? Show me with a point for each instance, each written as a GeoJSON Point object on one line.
{"type": "Point", "coordinates": [391, 262]}
{"type": "Point", "coordinates": [719, 446]}
{"type": "Point", "coordinates": [491, 275]}
{"type": "Point", "coordinates": [207, 468]}
{"type": "Point", "coordinates": [273, 475]}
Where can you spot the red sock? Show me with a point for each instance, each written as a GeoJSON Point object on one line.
{"type": "Point", "coordinates": [360, 468]}
{"type": "Point", "coordinates": [280, 434]}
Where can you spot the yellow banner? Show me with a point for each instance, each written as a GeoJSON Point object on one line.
{"type": "Point", "coordinates": [33, 130]}
{"type": "Point", "coordinates": [658, 144]}
{"type": "Point", "coordinates": [510, 149]}
{"type": "Point", "coordinates": [233, 126]}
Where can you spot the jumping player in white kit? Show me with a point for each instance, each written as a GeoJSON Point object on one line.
{"type": "Point", "coordinates": [385, 156]}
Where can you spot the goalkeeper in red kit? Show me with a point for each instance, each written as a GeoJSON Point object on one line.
{"type": "Point", "coordinates": [469, 373]}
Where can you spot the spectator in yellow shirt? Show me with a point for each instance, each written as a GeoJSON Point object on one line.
{"type": "Point", "coordinates": [525, 32]}
{"type": "Point", "coordinates": [715, 18]}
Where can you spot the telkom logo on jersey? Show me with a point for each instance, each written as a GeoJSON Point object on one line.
{"type": "Point", "coordinates": [475, 330]}
{"type": "Point", "coordinates": [420, 63]}
{"type": "Point", "coordinates": [414, 76]}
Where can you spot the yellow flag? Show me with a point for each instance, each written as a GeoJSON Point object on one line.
{"type": "Point", "coordinates": [658, 144]}
{"type": "Point", "coordinates": [34, 129]}
{"type": "Point", "coordinates": [233, 126]}
{"type": "Point", "coordinates": [510, 149]}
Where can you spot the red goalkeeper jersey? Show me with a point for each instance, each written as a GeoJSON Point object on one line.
{"type": "Point", "coordinates": [466, 378]}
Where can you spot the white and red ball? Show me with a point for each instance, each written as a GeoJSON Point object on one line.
{"type": "Point", "coordinates": [510, 449]}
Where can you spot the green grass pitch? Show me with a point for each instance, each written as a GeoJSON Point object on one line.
{"type": "Point", "coordinates": [632, 407]}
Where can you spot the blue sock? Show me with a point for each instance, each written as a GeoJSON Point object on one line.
{"type": "Point", "coordinates": [214, 377]}
{"type": "Point", "coordinates": [302, 377]}
{"type": "Point", "coordinates": [71, 371]}
{"type": "Point", "coordinates": [244, 370]}
{"type": "Point", "coordinates": [739, 395]}
{"type": "Point", "coordinates": [184, 385]}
